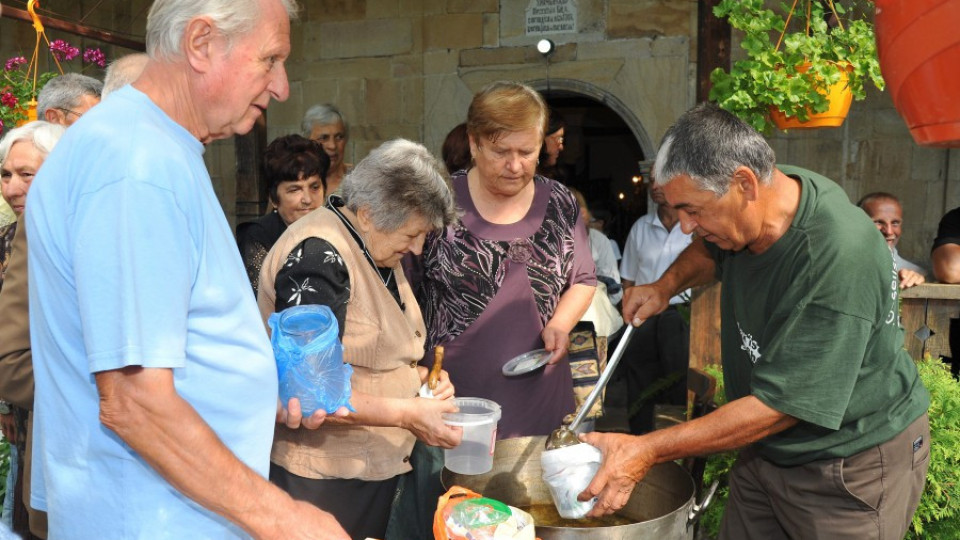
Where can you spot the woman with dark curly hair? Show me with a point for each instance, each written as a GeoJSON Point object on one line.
{"type": "Point", "coordinates": [295, 169]}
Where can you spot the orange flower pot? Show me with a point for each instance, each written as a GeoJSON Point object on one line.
{"type": "Point", "coordinates": [31, 113]}
{"type": "Point", "coordinates": [840, 98]}
{"type": "Point", "coordinates": [919, 49]}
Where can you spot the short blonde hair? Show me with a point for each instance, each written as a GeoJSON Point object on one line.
{"type": "Point", "coordinates": [506, 106]}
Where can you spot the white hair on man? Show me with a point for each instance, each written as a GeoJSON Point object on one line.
{"type": "Point", "coordinates": [168, 19]}
{"type": "Point", "coordinates": [123, 71]}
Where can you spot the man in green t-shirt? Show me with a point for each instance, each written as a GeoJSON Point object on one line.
{"type": "Point", "coordinates": [823, 400]}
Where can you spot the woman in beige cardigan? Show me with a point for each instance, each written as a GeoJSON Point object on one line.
{"type": "Point", "coordinates": [346, 255]}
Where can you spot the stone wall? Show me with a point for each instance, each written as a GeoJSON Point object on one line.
{"type": "Point", "coordinates": [408, 68]}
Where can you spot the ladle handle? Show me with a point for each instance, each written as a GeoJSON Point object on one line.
{"type": "Point", "coordinates": [603, 380]}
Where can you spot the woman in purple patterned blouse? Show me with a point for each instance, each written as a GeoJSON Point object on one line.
{"type": "Point", "coordinates": [515, 273]}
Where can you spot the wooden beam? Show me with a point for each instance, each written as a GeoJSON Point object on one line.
{"type": "Point", "coordinates": [713, 46]}
{"type": "Point", "coordinates": [251, 186]}
{"type": "Point", "coordinates": [76, 29]}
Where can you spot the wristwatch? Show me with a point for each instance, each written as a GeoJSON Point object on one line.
{"type": "Point", "coordinates": [4, 407]}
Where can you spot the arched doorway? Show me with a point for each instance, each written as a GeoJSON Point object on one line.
{"type": "Point", "coordinates": [606, 148]}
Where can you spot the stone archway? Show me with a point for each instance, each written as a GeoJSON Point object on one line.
{"type": "Point", "coordinates": [592, 91]}
{"type": "Point", "coordinates": [607, 147]}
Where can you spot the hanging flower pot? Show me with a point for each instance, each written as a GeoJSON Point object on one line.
{"type": "Point", "coordinates": [29, 113]}
{"type": "Point", "coordinates": [824, 34]}
{"type": "Point", "coordinates": [919, 48]}
{"type": "Point", "coordinates": [838, 94]}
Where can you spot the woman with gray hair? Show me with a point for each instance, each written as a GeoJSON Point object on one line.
{"type": "Point", "coordinates": [324, 124]}
{"type": "Point", "coordinates": [347, 256]}
{"type": "Point", "coordinates": [22, 152]}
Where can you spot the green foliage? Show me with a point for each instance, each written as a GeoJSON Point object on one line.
{"type": "Point", "coordinates": [938, 515]}
{"type": "Point", "coordinates": [718, 465]}
{"type": "Point", "coordinates": [4, 467]}
{"type": "Point", "coordinates": [768, 76]}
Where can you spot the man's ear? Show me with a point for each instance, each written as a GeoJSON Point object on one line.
{"type": "Point", "coordinates": [53, 116]}
{"type": "Point", "coordinates": [747, 182]}
{"type": "Point", "coordinates": [200, 40]}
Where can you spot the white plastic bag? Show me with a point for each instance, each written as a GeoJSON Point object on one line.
{"type": "Point", "coordinates": [568, 471]}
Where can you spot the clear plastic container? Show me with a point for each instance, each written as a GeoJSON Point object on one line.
{"type": "Point", "coordinates": [567, 471]}
{"type": "Point", "coordinates": [478, 417]}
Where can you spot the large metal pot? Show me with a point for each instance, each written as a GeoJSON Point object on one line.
{"type": "Point", "coordinates": [662, 506]}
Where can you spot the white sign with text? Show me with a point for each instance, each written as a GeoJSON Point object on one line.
{"type": "Point", "coordinates": [551, 17]}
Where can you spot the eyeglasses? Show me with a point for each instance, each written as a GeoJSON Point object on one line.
{"type": "Point", "coordinates": [557, 138]}
{"type": "Point", "coordinates": [68, 111]}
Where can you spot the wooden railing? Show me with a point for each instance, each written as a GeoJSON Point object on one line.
{"type": "Point", "coordinates": [925, 314]}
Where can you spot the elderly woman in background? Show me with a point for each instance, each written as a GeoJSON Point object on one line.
{"type": "Point", "coordinates": [347, 256]}
{"type": "Point", "coordinates": [513, 274]}
{"type": "Point", "coordinates": [295, 169]}
{"type": "Point", "coordinates": [324, 124]}
{"type": "Point", "coordinates": [22, 152]}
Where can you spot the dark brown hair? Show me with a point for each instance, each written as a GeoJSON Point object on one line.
{"type": "Point", "coordinates": [290, 158]}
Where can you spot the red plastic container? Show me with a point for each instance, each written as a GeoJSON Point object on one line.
{"type": "Point", "coordinates": [918, 42]}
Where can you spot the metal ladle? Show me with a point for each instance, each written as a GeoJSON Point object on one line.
{"type": "Point", "coordinates": [566, 435]}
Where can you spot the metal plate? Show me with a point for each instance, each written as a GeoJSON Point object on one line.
{"type": "Point", "coordinates": [526, 362]}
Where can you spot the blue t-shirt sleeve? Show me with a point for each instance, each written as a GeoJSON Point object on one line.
{"type": "Point", "coordinates": [135, 262]}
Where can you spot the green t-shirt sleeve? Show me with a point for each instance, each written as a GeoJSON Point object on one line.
{"type": "Point", "coordinates": [811, 365]}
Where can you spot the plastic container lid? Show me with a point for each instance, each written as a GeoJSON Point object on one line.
{"type": "Point", "coordinates": [526, 362]}
{"type": "Point", "coordinates": [473, 412]}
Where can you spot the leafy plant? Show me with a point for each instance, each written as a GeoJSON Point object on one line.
{"type": "Point", "coordinates": [938, 515]}
{"type": "Point", "coordinates": [774, 72]}
{"type": "Point", "coordinates": [718, 465]}
{"type": "Point", "coordinates": [4, 467]}
{"type": "Point", "coordinates": [19, 83]}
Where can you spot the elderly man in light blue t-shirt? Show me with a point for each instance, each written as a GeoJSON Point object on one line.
{"type": "Point", "coordinates": [156, 385]}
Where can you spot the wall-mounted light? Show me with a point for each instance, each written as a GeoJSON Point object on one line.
{"type": "Point", "coordinates": [546, 47]}
{"type": "Point", "coordinates": [621, 196]}
{"type": "Point", "coordinates": [636, 179]}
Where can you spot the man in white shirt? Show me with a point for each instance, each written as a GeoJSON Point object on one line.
{"type": "Point", "coordinates": [657, 358]}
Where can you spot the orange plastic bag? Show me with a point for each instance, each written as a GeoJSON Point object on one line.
{"type": "Point", "coordinates": [445, 505]}
{"type": "Point", "coordinates": [457, 494]}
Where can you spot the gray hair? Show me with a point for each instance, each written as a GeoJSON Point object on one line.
{"type": "Point", "coordinates": [123, 71]}
{"type": "Point", "coordinates": [168, 19]}
{"type": "Point", "coordinates": [65, 92]}
{"type": "Point", "coordinates": [708, 144]}
{"type": "Point", "coordinates": [397, 180]}
{"type": "Point", "coordinates": [43, 135]}
{"type": "Point", "coordinates": [322, 115]}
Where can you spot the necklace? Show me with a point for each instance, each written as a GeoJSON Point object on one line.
{"type": "Point", "coordinates": [386, 279]}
